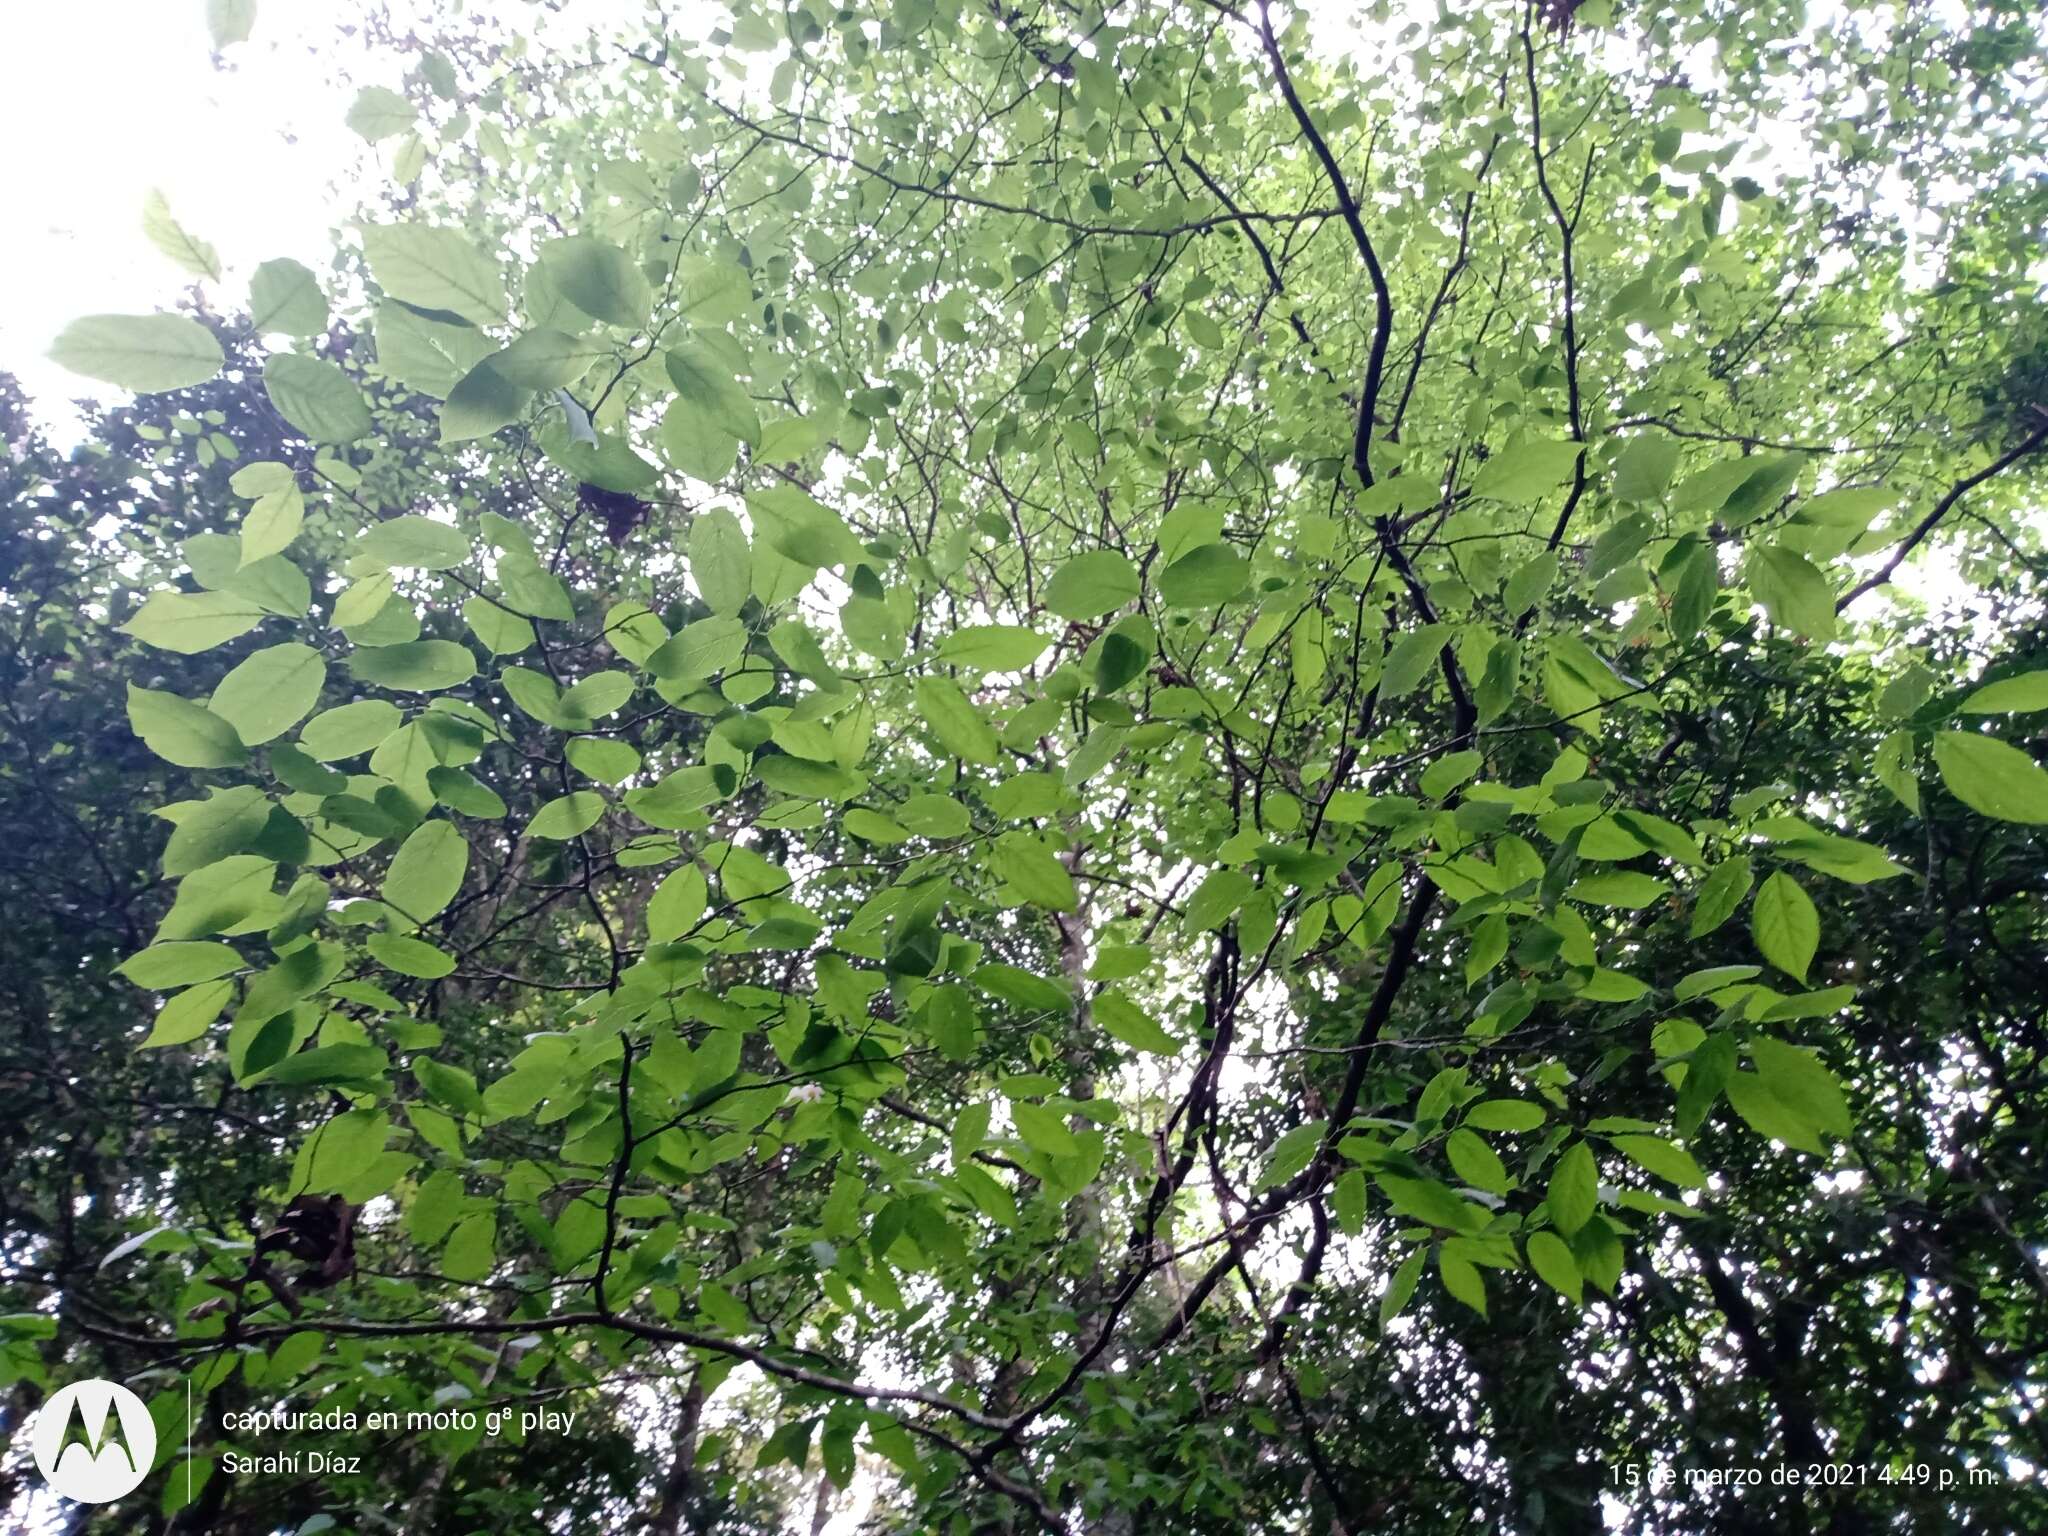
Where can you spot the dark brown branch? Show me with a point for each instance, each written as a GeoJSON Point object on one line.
{"type": "Point", "coordinates": [1383, 302]}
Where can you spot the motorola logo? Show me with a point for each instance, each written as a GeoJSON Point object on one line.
{"type": "Point", "coordinates": [94, 1441]}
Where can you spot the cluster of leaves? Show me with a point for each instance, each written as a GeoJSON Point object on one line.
{"type": "Point", "coordinates": [1143, 781]}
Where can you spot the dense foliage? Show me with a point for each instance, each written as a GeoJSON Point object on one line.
{"type": "Point", "coordinates": [1140, 770]}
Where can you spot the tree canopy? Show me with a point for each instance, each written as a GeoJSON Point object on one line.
{"type": "Point", "coordinates": [989, 768]}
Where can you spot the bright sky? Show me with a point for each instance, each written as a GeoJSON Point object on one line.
{"type": "Point", "coordinates": [253, 157]}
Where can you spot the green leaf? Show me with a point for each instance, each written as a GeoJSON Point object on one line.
{"type": "Point", "coordinates": [270, 691]}
{"type": "Point", "coordinates": [1504, 1115]}
{"type": "Point", "coordinates": [1411, 658]}
{"type": "Point", "coordinates": [1448, 772]}
{"type": "Point", "coordinates": [677, 905]}
{"type": "Point", "coordinates": [809, 780]}
{"type": "Point", "coordinates": [1034, 872]}
{"type": "Point", "coordinates": [802, 529]}
{"type": "Point", "coordinates": [191, 622]}
{"type": "Point", "coordinates": [1124, 1020]}
{"type": "Point", "coordinates": [481, 401]}
{"type": "Point", "coordinates": [436, 269]}
{"type": "Point", "coordinates": [608, 762]}
{"type": "Point", "coordinates": [229, 21]}
{"type": "Point", "coordinates": [530, 588]}
{"type": "Point", "coordinates": [1768, 1115]}
{"type": "Point", "coordinates": [1291, 1154]}
{"type": "Point", "coordinates": [1720, 894]}
{"type": "Point", "coordinates": [1551, 1257]}
{"type": "Point", "coordinates": [1526, 472]}
{"type": "Point", "coordinates": [567, 816]}
{"type": "Point", "coordinates": [349, 730]}
{"type": "Point", "coordinates": [708, 393]}
{"type": "Point", "coordinates": [445, 1084]}
{"type": "Point", "coordinates": [993, 647]}
{"type": "Point", "coordinates": [227, 821]}
{"type": "Point", "coordinates": [1431, 1201]}
{"type": "Point", "coordinates": [1762, 488]}
{"type": "Point", "coordinates": [1219, 895]}
{"type": "Point", "coordinates": [1845, 858]}
{"type": "Point", "coordinates": [873, 827]}
{"type": "Point", "coordinates": [1574, 1188]}
{"type": "Point", "coordinates": [1044, 1130]}
{"type": "Point", "coordinates": [1489, 947]}
{"type": "Point", "coordinates": [1347, 1202]}
{"type": "Point", "coordinates": [599, 279]}
{"type": "Point", "coordinates": [285, 297]}
{"type": "Point", "coordinates": [175, 241]}
{"type": "Point", "coordinates": [1205, 577]}
{"type": "Point", "coordinates": [378, 114]}
{"type": "Point", "coordinates": [1462, 1279]}
{"type": "Point", "coordinates": [2018, 695]}
{"type": "Point", "coordinates": [412, 541]}
{"type": "Point", "coordinates": [316, 397]}
{"type": "Point", "coordinates": [1666, 1159]}
{"type": "Point", "coordinates": [632, 631]}
{"type": "Point", "coordinates": [1853, 507]}
{"type": "Point", "coordinates": [936, 816]}
{"type": "Point", "coordinates": [363, 600]}
{"type": "Point", "coordinates": [1619, 888]}
{"type": "Point", "coordinates": [1643, 472]}
{"type": "Point", "coordinates": [263, 478]}
{"type": "Point", "coordinates": [955, 721]}
{"type": "Point", "coordinates": [426, 354]}
{"type": "Point", "coordinates": [1785, 925]}
{"type": "Point", "coordinates": [471, 1248]}
{"type": "Point", "coordinates": [419, 666]}
{"type": "Point", "coordinates": [721, 564]}
{"type": "Point", "coordinates": [463, 792]}
{"type": "Point", "coordinates": [1699, 983]}
{"type": "Point", "coordinates": [139, 352]}
{"type": "Point", "coordinates": [1475, 1162]}
{"type": "Point", "coordinates": [700, 650]}
{"type": "Point", "coordinates": [181, 732]}
{"type": "Point", "coordinates": [271, 525]}
{"type": "Point", "coordinates": [1091, 585]}
{"type": "Point", "coordinates": [1792, 590]}
{"type": "Point", "coordinates": [189, 1015]}
{"type": "Point", "coordinates": [1119, 659]}
{"type": "Point", "coordinates": [1401, 1287]}
{"type": "Point", "coordinates": [1893, 766]}
{"type": "Point", "coordinates": [1667, 837]}
{"type": "Point", "coordinates": [351, 1063]}
{"type": "Point", "coordinates": [1797, 1079]}
{"type": "Point", "coordinates": [426, 872]}
{"type": "Point", "coordinates": [1991, 777]}
{"type": "Point", "coordinates": [1530, 582]}
{"type": "Point", "coordinates": [163, 966]}
{"type": "Point", "coordinates": [545, 359]}
{"type": "Point", "coordinates": [1693, 592]}
{"type": "Point", "coordinates": [676, 798]}
{"type": "Point", "coordinates": [410, 957]}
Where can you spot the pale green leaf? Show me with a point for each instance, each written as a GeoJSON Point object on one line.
{"type": "Point", "coordinates": [316, 397]}
{"type": "Point", "coordinates": [1785, 925]}
{"type": "Point", "coordinates": [139, 352]}
{"type": "Point", "coordinates": [1991, 777]}
{"type": "Point", "coordinates": [270, 691]}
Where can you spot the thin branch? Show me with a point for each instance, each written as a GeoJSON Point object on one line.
{"type": "Point", "coordinates": [1927, 524]}
{"type": "Point", "coordinates": [1383, 302]}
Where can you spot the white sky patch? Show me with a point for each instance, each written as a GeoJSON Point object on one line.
{"type": "Point", "coordinates": [103, 100]}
